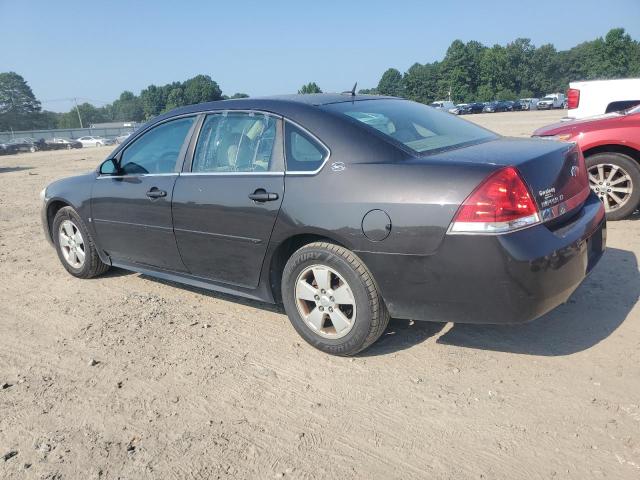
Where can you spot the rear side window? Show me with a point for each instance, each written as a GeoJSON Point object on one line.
{"type": "Point", "coordinates": [157, 150]}
{"type": "Point", "coordinates": [235, 142]}
{"type": "Point", "coordinates": [303, 153]}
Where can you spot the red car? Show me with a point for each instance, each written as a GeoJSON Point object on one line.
{"type": "Point", "coordinates": [611, 147]}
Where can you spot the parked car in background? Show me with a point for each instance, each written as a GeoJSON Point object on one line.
{"type": "Point", "coordinates": [443, 105]}
{"type": "Point", "coordinates": [489, 234]}
{"type": "Point", "coordinates": [469, 108]}
{"type": "Point", "coordinates": [5, 149]}
{"type": "Point", "coordinates": [17, 145]}
{"type": "Point", "coordinates": [497, 106]}
{"type": "Point", "coordinates": [596, 97]}
{"type": "Point", "coordinates": [121, 138]}
{"type": "Point", "coordinates": [91, 141]}
{"type": "Point", "coordinates": [475, 107]}
{"type": "Point", "coordinates": [550, 101]}
{"type": "Point", "coordinates": [457, 110]}
{"type": "Point", "coordinates": [67, 143]}
{"type": "Point", "coordinates": [611, 147]}
{"type": "Point", "coordinates": [529, 103]}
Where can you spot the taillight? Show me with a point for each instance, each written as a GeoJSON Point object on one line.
{"type": "Point", "coordinates": [573, 98]}
{"type": "Point", "coordinates": [501, 203]}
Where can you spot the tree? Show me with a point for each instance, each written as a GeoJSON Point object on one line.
{"type": "Point", "coordinates": [459, 71]}
{"type": "Point", "coordinates": [89, 114]}
{"type": "Point", "coordinates": [368, 91]}
{"type": "Point", "coordinates": [391, 83]}
{"type": "Point", "coordinates": [18, 104]}
{"type": "Point", "coordinates": [128, 107]}
{"type": "Point", "coordinates": [200, 89]}
{"type": "Point", "coordinates": [421, 82]}
{"type": "Point", "coordinates": [310, 87]}
{"type": "Point", "coordinates": [175, 98]}
{"type": "Point", "coordinates": [153, 101]}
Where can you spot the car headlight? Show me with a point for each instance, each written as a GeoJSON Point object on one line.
{"type": "Point", "coordinates": [43, 194]}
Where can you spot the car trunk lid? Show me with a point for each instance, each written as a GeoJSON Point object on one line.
{"type": "Point", "coordinates": [554, 171]}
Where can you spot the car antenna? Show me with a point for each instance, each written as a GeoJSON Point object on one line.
{"type": "Point", "coordinates": [352, 92]}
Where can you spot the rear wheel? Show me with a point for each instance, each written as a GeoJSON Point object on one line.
{"type": "Point", "coordinates": [332, 299]}
{"type": "Point", "coordinates": [615, 178]}
{"type": "Point", "coordinates": [75, 246]}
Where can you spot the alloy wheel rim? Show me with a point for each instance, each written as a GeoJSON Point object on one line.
{"type": "Point", "coordinates": [612, 184]}
{"type": "Point", "coordinates": [71, 244]}
{"type": "Point", "coordinates": [325, 301]}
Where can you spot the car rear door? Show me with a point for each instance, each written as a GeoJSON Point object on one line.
{"type": "Point", "coordinates": [226, 201]}
{"type": "Point", "coordinates": [131, 209]}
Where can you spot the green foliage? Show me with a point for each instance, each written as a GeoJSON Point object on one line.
{"type": "Point", "coordinates": [128, 107]}
{"type": "Point", "coordinates": [391, 83]}
{"type": "Point", "coordinates": [473, 72]}
{"type": "Point", "coordinates": [89, 114]}
{"type": "Point", "coordinates": [200, 89]}
{"type": "Point", "coordinates": [18, 104]}
{"type": "Point", "coordinates": [310, 87]}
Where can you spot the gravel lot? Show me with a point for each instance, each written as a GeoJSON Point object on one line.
{"type": "Point", "coordinates": [128, 377]}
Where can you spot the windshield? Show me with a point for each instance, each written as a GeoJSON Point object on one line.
{"type": "Point", "coordinates": [412, 124]}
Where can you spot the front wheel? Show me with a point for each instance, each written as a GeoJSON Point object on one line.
{"type": "Point", "coordinates": [615, 178]}
{"type": "Point", "coordinates": [74, 245]}
{"type": "Point", "coordinates": [332, 300]}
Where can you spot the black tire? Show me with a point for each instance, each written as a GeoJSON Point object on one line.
{"type": "Point", "coordinates": [372, 316]}
{"type": "Point", "coordinates": [92, 265]}
{"type": "Point", "coordinates": [629, 165]}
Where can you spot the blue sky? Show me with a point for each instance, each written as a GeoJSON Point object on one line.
{"type": "Point", "coordinates": [95, 50]}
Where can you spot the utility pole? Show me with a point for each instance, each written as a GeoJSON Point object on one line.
{"type": "Point", "coordinates": [75, 101]}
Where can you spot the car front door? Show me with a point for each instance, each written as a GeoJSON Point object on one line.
{"type": "Point", "coordinates": [226, 202]}
{"type": "Point", "coordinates": [131, 207]}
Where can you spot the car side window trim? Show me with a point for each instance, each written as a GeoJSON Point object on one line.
{"type": "Point", "coordinates": [278, 162]}
{"type": "Point", "coordinates": [316, 140]}
{"type": "Point", "coordinates": [181, 155]}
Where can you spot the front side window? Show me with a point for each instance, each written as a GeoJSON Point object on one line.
{"type": "Point", "coordinates": [304, 154]}
{"type": "Point", "coordinates": [235, 142]}
{"type": "Point", "coordinates": [157, 150]}
{"type": "Point", "coordinates": [416, 126]}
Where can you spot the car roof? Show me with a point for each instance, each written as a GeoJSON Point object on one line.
{"type": "Point", "coordinates": [276, 103]}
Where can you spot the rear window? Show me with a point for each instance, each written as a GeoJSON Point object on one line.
{"type": "Point", "coordinates": [416, 126]}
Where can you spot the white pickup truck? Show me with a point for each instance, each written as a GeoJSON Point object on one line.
{"type": "Point", "coordinates": [597, 97]}
{"type": "Point", "coordinates": [550, 101]}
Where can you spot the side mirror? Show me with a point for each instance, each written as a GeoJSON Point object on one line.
{"type": "Point", "coordinates": [109, 167]}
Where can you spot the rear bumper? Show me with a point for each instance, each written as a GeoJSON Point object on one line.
{"type": "Point", "coordinates": [503, 279]}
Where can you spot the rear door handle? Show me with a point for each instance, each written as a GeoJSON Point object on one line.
{"type": "Point", "coordinates": [261, 195]}
{"type": "Point", "coordinates": [155, 192]}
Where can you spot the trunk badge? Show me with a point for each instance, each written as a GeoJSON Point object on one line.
{"type": "Point", "coordinates": [338, 166]}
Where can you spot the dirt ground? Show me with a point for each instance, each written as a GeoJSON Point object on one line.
{"type": "Point", "coordinates": [128, 377]}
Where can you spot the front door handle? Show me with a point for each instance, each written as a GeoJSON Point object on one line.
{"type": "Point", "coordinates": [155, 192]}
{"type": "Point", "coordinates": [261, 195]}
